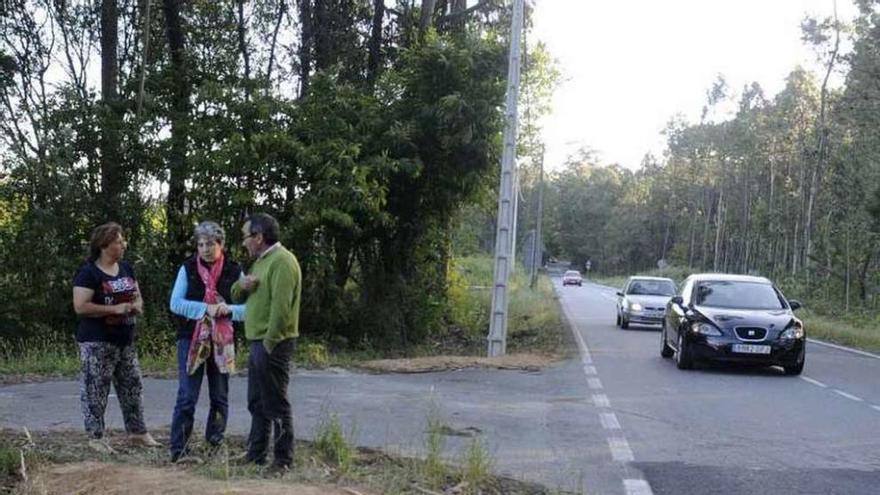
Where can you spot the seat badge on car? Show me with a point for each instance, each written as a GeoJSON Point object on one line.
{"type": "Point", "coordinates": [751, 333]}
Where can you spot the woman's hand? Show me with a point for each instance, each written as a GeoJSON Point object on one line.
{"type": "Point", "coordinates": [218, 310]}
{"type": "Point", "coordinates": [137, 307]}
{"type": "Point", "coordinates": [123, 309]}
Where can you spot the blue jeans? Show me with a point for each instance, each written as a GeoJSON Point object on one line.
{"type": "Point", "coordinates": [188, 390]}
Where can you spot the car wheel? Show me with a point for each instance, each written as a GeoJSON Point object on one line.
{"type": "Point", "coordinates": [580, 284]}
{"type": "Point", "coordinates": [624, 323]}
{"type": "Point", "coordinates": [683, 358]}
{"type": "Point", "coordinates": [796, 368]}
{"type": "Point", "coordinates": [665, 350]}
{"type": "Point", "coordinates": [617, 323]}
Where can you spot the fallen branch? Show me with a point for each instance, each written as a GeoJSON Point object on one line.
{"type": "Point", "coordinates": [425, 490]}
{"type": "Point", "coordinates": [22, 470]}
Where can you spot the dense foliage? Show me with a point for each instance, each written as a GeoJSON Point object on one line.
{"type": "Point", "coordinates": [364, 127]}
{"type": "Point", "coordinates": [788, 186]}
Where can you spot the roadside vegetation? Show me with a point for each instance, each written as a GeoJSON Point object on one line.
{"type": "Point", "coordinates": [534, 328]}
{"type": "Point", "coordinates": [60, 462]}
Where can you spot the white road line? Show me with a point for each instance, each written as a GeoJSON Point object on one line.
{"type": "Point", "coordinates": [876, 408]}
{"type": "Point", "coordinates": [620, 450]}
{"type": "Point", "coordinates": [844, 348]}
{"type": "Point", "coordinates": [601, 400]}
{"type": "Point", "coordinates": [848, 396]}
{"type": "Point", "coordinates": [609, 421]}
{"type": "Point", "coordinates": [637, 487]}
{"type": "Point", "coordinates": [814, 382]}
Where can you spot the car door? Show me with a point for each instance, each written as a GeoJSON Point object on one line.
{"type": "Point", "coordinates": [675, 313]}
{"type": "Point", "coordinates": [621, 297]}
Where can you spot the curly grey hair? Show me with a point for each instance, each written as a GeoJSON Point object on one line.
{"type": "Point", "coordinates": [209, 230]}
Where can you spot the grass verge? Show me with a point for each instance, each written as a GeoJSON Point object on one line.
{"type": "Point", "coordinates": [369, 471]}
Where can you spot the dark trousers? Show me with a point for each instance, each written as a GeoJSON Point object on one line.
{"type": "Point", "coordinates": [268, 377]}
{"type": "Point", "coordinates": [188, 390]}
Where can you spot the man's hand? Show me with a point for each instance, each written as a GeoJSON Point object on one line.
{"type": "Point", "coordinates": [249, 283]}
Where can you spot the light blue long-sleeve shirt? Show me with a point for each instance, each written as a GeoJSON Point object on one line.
{"type": "Point", "coordinates": [195, 310]}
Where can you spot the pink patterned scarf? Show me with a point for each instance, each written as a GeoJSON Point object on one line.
{"type": "Point", "coordinates": [212, 335]}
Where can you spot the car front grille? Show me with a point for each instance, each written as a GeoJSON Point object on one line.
{"type": "Point", "coordinates": [751, 333]}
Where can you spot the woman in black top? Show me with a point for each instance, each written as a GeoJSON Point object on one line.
{"type": "Point", "coordinates": [107, 300]}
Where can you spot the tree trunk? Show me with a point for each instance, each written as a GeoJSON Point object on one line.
{"type": "Point", "coordinates": [426, 17]}
{"type": "Point", "coordinates": [321, 32]}
{"type": "Point", "coordinates": [374, 61]}
{"type": "Point", "coordinates": [305, 46]}
{"type": "Point", "coordinates": [822, 132]}
{"type": "Point", "coordinates": [719, 225]}
{"type": "Point", "coordinates": [112, 175]}
{"type": "Point", "coordinates": [179, 116]}
{"type": "Point", "coordinates": [243, 49]}
{"type": "Point", "coordinates": [282, 9]}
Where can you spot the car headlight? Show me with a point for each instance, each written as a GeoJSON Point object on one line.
{"type": "Point", "coordinates": [635, 306]}
{"type": "Point", "coordinates": [705, 329]}
{"type": "Point", "coordinates": [794, 331]}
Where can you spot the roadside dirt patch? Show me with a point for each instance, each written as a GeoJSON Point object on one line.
{"type": "Point", "coordinates": [525, 361]}
{"type": "Point", "coordinates": [95, 478]}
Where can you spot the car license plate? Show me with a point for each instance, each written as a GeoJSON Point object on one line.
{"type": "Point", "coordinates": [751, 349]}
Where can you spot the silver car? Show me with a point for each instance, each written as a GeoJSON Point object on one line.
{"type": "Point", "coordinates": [643, 300]}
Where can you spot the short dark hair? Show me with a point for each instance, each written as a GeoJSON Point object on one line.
{"type": "Point", "coordinates": [263, 223]}
{"type": "Point", "coordinates": [102, 236]}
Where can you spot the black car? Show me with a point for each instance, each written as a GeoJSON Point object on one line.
{"type": "Point", "coordinates": [733, 318]}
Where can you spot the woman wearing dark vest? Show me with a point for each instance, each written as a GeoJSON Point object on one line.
{"type": "Point", "coordinates": [204, 337]}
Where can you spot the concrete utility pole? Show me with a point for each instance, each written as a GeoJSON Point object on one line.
{"type": "Point", "coordinates": [506, 200]}
{"type": "Point", "coordinates": [538, 252]}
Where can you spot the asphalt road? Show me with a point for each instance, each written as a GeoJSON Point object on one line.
{"type": "Point", "coordinates": [729, 430]}
{"type": "Point", "coordinates": [617, 420]}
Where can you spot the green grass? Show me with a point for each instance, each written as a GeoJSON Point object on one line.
{"type": "Point", "coordinates": [48, 355]}
{"type": "Point", "coordinates": [476, 465]}
{"type": "Point", "coordinates": [376, 472]}
{"type": "Point", "coordinates": [534, 317]}
{"type": "Point", "coordinates": [331, 442]}
{"type": "Point", "coordinates": [535, 324]}
{"type": "Point", "coordinates": [862, 336]}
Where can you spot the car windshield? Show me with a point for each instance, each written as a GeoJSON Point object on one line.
{"type": "Point", "coordinates": [651, 288]}
{"type": "Point", "coordinates": [572, 273]}
{"type": "Point", "coordinates": [737, 295]}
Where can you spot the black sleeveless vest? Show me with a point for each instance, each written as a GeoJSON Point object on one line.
{"type": "Point", "coordinates": [195, 290]}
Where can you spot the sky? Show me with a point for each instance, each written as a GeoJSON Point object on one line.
{"type": "Point", "coordinates": [630, 66]}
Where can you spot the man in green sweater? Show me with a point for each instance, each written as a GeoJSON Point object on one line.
{"type": "Point", "coordinates": [271, 291]}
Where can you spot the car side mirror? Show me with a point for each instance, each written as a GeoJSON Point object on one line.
{"type": "Point", "coordinates": [794, 304]}
{"type": "Point", "coordinates": [619, 293]}
{"type": "Point", "coordinates": [677, 300]}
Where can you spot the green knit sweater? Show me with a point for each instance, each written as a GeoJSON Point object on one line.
{"type": "Point", "coordinates": [272, 308]}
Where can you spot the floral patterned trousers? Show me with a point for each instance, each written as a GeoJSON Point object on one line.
{"type": "Point", "coordinates": [103, 363]}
